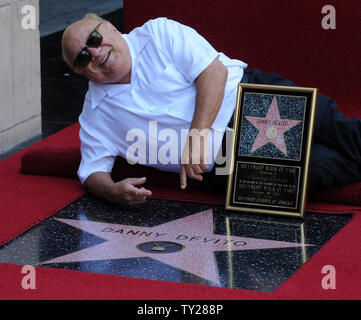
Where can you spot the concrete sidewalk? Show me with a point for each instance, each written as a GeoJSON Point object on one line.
{"type": "Point", "coordinates": [56, 15]}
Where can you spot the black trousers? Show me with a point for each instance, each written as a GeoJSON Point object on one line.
{"type": "Point", "coordinates": [336, 150]}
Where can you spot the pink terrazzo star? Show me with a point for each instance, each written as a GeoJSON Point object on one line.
{"type": "Point", "coordinates": [194, 233]}
{"type": "Point", "coordinates": [271, 128]}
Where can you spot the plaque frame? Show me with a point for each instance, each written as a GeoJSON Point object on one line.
{"type": "Point", "coordinates": [293, 167]}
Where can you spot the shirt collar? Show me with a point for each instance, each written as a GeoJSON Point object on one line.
{"type": "Point", "coordinates": [97, 93]}
{"type": "Point", "coordinates": [98, 90]}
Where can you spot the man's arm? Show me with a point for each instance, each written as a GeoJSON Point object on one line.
{"type": "Point", "coordinates": [126, 192]}
{"type": "Point", "coordinates": [210, 86]}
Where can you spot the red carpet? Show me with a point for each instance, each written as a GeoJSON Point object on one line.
{"type": "Point", "coordinates": [61, 161]}
{"type": "Point", "coordinates": [273, 36]}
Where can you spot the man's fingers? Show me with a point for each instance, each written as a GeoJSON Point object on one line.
{"type": "Point", "coordinates": [145, 192]}
{"type": "Point", "coordinates": [140, 192]}
{"type": "Point", "coordinates": [183, 177]}
{"type": "Point", "coordinates": [191, 174]}
{"type": "Point", "coordinates": [127, 191]}
{"type": "Point", "coordinates": [193, 170]}
{"type": "Point", "coordinates": [136, 181]}
{"type": "Point", "coordinates": [197, 169]}
{"type": "Point", "coordinates": [135, 193]}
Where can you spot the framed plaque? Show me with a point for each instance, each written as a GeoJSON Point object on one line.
{"type": "Point", "coordinates": [273, 129]}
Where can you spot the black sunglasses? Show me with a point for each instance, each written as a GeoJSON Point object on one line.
{"type": "Point", "coordinates": [94, 41]}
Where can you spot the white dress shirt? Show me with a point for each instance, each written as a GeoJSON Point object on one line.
{"type": "Point", "coordinates": [147, 120]}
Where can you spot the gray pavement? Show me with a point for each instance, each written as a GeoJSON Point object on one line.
{"type": "Point", "coordinates": [56, 15]}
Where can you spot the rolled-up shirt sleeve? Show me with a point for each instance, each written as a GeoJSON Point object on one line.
{"type": "Point", "coordinates": [189, 51]}
{"type": "Point", "coordinates": [95, 156]}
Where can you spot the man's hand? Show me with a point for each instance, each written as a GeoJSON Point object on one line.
{"type": "Point", "coordinates": [193, 160]}
{"type": "Point", "coordinates": [125, 192]}
{"type": "Point", "coordinates": [210, 86]}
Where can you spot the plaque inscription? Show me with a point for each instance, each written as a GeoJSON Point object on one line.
{"type": "Point", "coordinates": [266, 184]}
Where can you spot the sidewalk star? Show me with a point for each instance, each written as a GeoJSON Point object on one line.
{"type": "Point", "coordinates": [187, 243]}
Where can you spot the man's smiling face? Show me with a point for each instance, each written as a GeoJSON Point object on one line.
{"type": "Point", "coordinates": [110, 62]}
